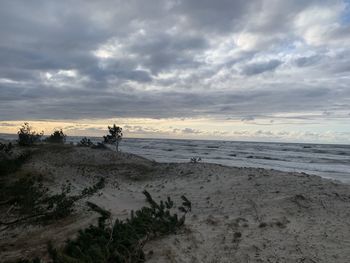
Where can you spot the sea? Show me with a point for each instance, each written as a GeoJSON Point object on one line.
{"type": "Point", "coordinates": [327, 160]}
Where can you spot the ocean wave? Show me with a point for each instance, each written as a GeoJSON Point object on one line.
{"type": "Point", "coordinates": [331, 161]}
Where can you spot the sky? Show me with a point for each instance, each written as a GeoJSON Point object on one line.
{"type": "Point", "coordinates": [259, 70]}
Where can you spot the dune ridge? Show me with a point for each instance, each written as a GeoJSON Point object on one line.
{"type": "Point", "coordinates": [238, 214]}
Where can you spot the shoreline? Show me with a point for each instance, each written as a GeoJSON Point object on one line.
{"type": "Point", "coordinates": [321, 160]}
{"type": "Point", "coordinates": [191, 139]}
{"type": "Point", "coordinates": [242, 214]}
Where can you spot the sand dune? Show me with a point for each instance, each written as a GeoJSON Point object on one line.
{"type": "Point", "coordinates": [238, 215]}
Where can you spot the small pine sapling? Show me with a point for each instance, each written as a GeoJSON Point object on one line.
{"type": "Point", "coordinates": [114, 137]}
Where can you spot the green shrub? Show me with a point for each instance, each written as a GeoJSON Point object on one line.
{"type": "Point", "coordinates": [27, 137]}
{"type": "Point", "coordinates": [85, 142]}
{"type": "Point", "coordinates": [123, 241]}
{"type": "Point", "coordinates": [195, 159]}
{"type": "Point", "coordinates": [32, 202]}
{"type": "Point", "coordinates": [57, 137]}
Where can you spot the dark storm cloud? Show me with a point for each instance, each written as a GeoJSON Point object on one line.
{"type": "Point", "coordinates": [175, 58]}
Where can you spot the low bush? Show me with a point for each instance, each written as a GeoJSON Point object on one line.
{"type": "Point", "coordinates": [85, 142]}
{"type": "Point", "coordinates": [124, 240]}
{"type": "Point", "coordinates": [57, 137]}
{"type": "Point", "coordinates": [195, 159]}
{"type": "Point", "coordinates": [31, 202]}
{"type": "Point", "coordinates": [27, 137]}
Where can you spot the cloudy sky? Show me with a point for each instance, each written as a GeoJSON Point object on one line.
{"type": "Point", "coordinates": [267, 70]}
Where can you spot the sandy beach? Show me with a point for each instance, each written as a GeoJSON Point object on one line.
{"type": "Point", "coordinates": [238, 214]}
{"type": "Point", "coordinates": [175, 131]}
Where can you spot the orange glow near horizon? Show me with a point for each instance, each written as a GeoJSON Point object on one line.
{"type": "Point", "coordinates": [186, 128]}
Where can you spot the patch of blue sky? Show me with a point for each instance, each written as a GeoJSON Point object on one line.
{"type": "Point", "coordinates": [345, 16]}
